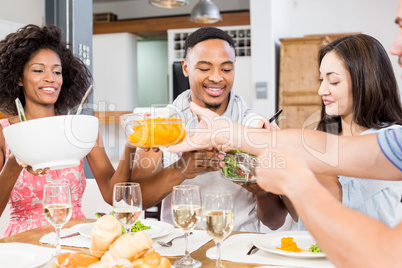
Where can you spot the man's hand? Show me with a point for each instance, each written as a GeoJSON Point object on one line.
{"type": "Point", "coordinates": [253, 188]}
{"type": "Point", "coordinates": [193, 163]}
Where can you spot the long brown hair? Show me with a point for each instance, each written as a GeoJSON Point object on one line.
{"type": "Point", "coordinates": [376, 100]}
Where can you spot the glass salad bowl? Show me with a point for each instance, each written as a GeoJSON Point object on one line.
{"type": "Point", "coordinates": [239, 167]}
{"type": "Point", "coordinates": [151, 130]}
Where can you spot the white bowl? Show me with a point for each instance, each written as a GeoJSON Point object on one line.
{"type": "Point", "coordinates": [55, 142]}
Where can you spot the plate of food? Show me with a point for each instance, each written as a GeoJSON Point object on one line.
{"type": "Point", "coordinates": [156, 228]}
{"type": "Point", "coordinates": [237, 166]}
{"type": "Point", "coordinates": [294, 244]}
{"type": "Point", "coordinates": [23, 255]}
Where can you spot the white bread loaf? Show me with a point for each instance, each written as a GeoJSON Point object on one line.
{"type": "Point", "coordinates": [128, 247]}
{"type": "Point", "coordinates": [107, 229]}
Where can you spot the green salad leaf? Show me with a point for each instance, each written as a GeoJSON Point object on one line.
{"type": "Point", "coordinates": [232, 169]}
{"type": "Point", "coordinates": [139, 226]}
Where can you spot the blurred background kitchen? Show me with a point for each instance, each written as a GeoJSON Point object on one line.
{"type": "Point", "coordinates": [134, 50]}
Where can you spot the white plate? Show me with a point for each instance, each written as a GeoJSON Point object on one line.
{"type": "Point", "coordinates": [85, 229]}
{"type": "Point", "coordinates": [303, 239]}
{"type": "Point", "coordinates": [20, 255]}
{"type": "Point", "coordinates": [158, 228]}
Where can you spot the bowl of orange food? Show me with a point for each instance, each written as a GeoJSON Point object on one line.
{"type": "Point", "coordinates": [151, 130]}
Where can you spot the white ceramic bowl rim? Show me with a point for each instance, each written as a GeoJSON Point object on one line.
{"type": "Point", "coordinates": [55, 142]}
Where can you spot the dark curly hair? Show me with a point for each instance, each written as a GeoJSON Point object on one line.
{"type": "Point", "coordinates": [19, 47]}
{"type": "Point", "coordinates": [206, 33]}
{"type": "Point", "coordinates": [376, 101]}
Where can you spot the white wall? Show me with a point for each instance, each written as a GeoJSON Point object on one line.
{"type": "Point", "coordinates": [263, 55]}
{"type": "Point", "coordinates": [7, 27]}
{"type": "Point", "coordinates": [22, 11]}
{"type": "Point", "coordinates": [13, 17]}
{"type": "Point", "coordinates": [274, 19]}
{"type": "Point", "coordinates": [115, 71]}
{"type": "Point", "coordinates": [152, 58]}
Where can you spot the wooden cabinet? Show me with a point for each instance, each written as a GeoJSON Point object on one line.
{"type": "Point", "coordinates": [2, 115]}
{"type": "Point", "coordinates": [299, 80]}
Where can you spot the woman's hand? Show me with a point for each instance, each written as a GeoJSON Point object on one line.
{"type": "Point", "coordinates": [212, 131]}
{"type": "Point", "coordinates": [264, 123]}
{"type": "Point", "coordinates": [37, 172]}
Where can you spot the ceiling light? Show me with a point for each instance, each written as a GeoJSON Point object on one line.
{"type": "Point", "coordinates": [168, 3]}
{"type": "Point", "coordinates": [205, 12]}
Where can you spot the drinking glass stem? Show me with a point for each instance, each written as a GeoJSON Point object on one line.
{"type": "Point", "coordinates": [58, 247]}
{"type": "Point", "coordinates": [218, 260]}
{"type": "Point", "coordinates": [186, 234]}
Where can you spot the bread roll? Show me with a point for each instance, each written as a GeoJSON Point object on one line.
{"type": "Point", "coordinates": [99, 264]}
{"type": "Point", "coordinates": [120, 263]}
{"type": "Point", "coordinates": [107, 229]}
{"type": "Point", "coordinates": [73, 259]}
{"type": "Point", "coordinates": [151, 260]}
{"type": "Point", "coordinates": [128, 247]}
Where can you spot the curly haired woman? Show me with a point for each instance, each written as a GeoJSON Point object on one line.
{"type": "Point", "coordinates": [37, 67]}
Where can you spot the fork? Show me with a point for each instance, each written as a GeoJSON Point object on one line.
{"type": "Point", "coordinates": [70, 235]}
{"type": "Point", "coordinates": [169, 243]}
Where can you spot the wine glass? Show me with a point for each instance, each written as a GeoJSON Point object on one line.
{"type": "Point", "coordinates": [218, 218]}
{"type": "Point", "coordinates": [186, 213]}
{"type": "Point", "coordinates": [127, 203]}
{"type": "Point", "coordinates": [57, 207]}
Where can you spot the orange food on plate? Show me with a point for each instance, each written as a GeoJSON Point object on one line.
{"type": "Point", "coordinates": [157, 132]}
{"type": "Point", "coordinates": [288, 244]}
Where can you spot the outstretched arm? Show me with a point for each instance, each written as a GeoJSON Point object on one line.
{"type": "Point", "coordinates": [105, 175]}
{"type": "Point", "coordinates": [346, 236]}
{"type": "Point", "coordinates": [358, 156]}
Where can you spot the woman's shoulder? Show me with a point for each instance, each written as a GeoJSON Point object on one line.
{"type": "Point", "coordinates": [9, 121]}
{"type": "Point", "coordinates": [385, 127]}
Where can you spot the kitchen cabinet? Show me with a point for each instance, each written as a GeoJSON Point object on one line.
{"type": "Point", "coordinates": [2, 115]}
{"type": "Point", "coordinates": [299, 80]}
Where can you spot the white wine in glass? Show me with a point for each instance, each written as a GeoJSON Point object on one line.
{"type": "Point", "coordinates": [186, 213]}
{"type": "Point", "coordinates": [127, 203]}
{"type": "Point", "coordinates": [218, 218]}
{"type": "Point", "coordinates": [57, 207]}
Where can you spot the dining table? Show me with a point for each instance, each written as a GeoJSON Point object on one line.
{"type": "Point", "coordinates": [33, 236]}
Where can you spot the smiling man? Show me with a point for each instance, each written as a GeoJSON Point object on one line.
{"type": "Point", "coordinates": [209, 63]}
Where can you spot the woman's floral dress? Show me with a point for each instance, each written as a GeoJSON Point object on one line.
{"type": "Point", "coordinates": [26, 211]}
